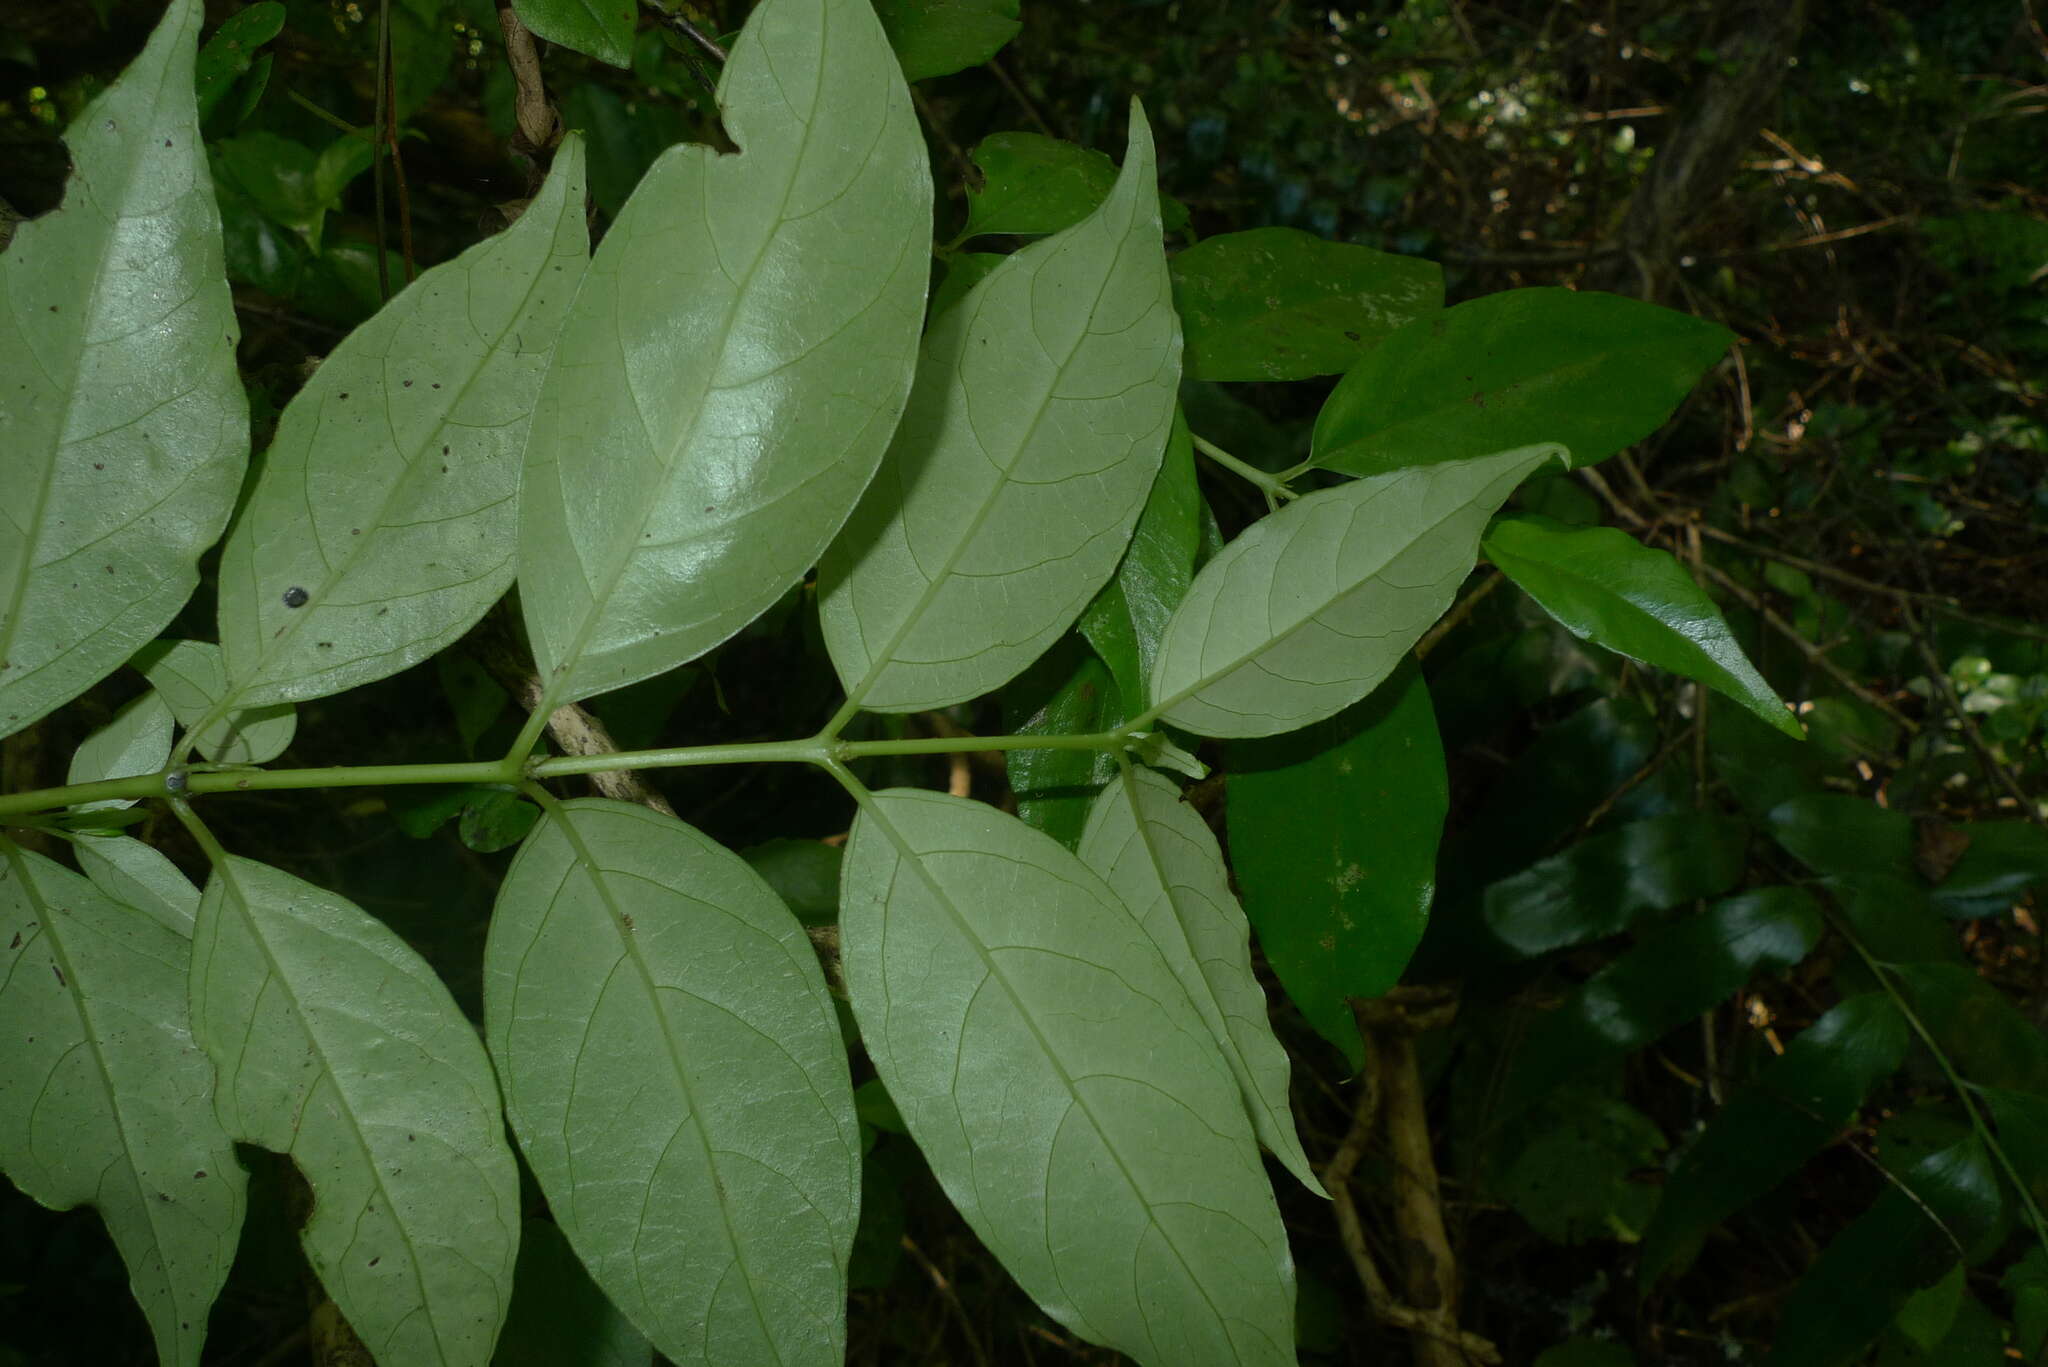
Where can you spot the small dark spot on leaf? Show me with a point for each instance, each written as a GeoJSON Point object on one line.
{"type": "Point", "coordinates": [437, 384]}
{"type": "Point", "coordinates": [378, 1259]}
{"type": "Point", "coordinates": [355, 531]}
{"type": "Point", "coordinates": [53, 308]}
{"type": "Point", "coordinates": [444, 450]}
{"type": "Point", "coordinates": [406, 384]}
{"type": "Point", "coordinates": [626, 920]}
{"type": "Point", "coordinates": [97, 466]}
{"type": "Point", "coordinates": [325, 645]}
{"type": "Point", "coordinates": [199, 1174]}
{"type": "Point", "coordinates": [341, 396]}
{"type": "Point", "coordinates": [16, 944]}
{"type": "Point", "coordinates": [60, 975]}
{"type": "Point", "coordinates": [295, 597]}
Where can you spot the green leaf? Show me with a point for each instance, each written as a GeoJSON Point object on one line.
{"type": "Point", "coordinates": [559, 1318]}
{"type": "Point", "coordinates": [2027, 1283]}
{"type": "Point", "coordinates": [596, 28]}
{"type": "Point", "coordinates": [192, 678]}
{"type": "Point", "coordinates": [1609, 588]}
{"type": "Point", "coordinates": [1161, 860]}
{"type": "Point", "coordinates": [1282, 304]}
{"type": "Point", "coordinates": [381, 525]}
{"type": "Point", "coordinates": [1795, 1107]}
{"type": "Point", "coordinates": [231, 50]}
{"type": "Point", "coordinates": [2022, 1119]}
{"type": "Point", "coordinates": [1674, 972]}
{"type": "Point", "coordinates": [803, 873]}
{"type": "Point", "coordinates": [1032, 185]}
{"type": "Point", "coordinates": [673, 1069]}
{"type": "Point", "coordinates": [1310, 608]}
{"type": "Point", "coordinates": [964, 270]}
{"type": "Point", "coordinates": [137, 875]}
{"type": "Point", "coordinates": [1909, 1238]}
{"type": "Point", "coordinates": [940, 37]}
{"type": "Point", "coordinates": [495, 820]}
{"type": "Point", "coordinates": [1068, 692]}
{"type": "Point", "coordinates": [1064, 1089]}
{"type": "Point", "coordinates": [137, 741]}
{"type": "Point", "coordinates": [1333, 833]}
{"type": "Point", "coordinates": [1595, 888]}
{"type": "Point", "coordinates": [103, 1099]}
{"type": "Point", "coordinates": [1837, 833]}
{"type": "Point", "coordinates": [1036, 428]}
{"type": "Point", "coordinates": [337, 1046]}
{"type": "Point", "coordinates": [1990, 1041]}
{"type": "Point", "coordinates": [1593, 371]}
{"type": "Point", "coordinates": [1572, 1172]}
{"type": "Point", "coordinates": [126, 427]}
{"type": "Point", "coordinates": [735, 362]}
{"type": "Point", "coordinates": [2002, 861]}
{"type": "Point", "coordinates": [1128, 617]}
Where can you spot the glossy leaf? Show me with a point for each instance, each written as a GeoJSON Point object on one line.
{"type": "Point", "coordinates": [1282, 304]}
{"type": "Point", "coordinates": [1595, 888]}
{"type": "Point", "coordinates": [559, 1318]}
{"type": "Point", "coordinates": [1310, 608]}
{"type": "Point", "coordinates": [1128, 617]}
{"type": "Point", "coordinates": [2002, 860]}
{"type": "Point", "coordinates": [940, 37]}
{"type": "Point", "coordinates": [231, 50]}
{"type": "Point", "coordinates": [1609, 588]}
{"type": "Point", "coordinates": [596, 28]}
{"type": "Point", "coordinates": [1065, 1091]}
{"type": "Point", "coordinates": [1333, 834]}
{"type": "Point", "coordinates": [1071, 692]}
{"type": "Point", "coordinates": [673, 1069]}
{"type": "Point", "coordinates": [137, 741]}
{"type": "Point", "coordinates": [1593, 371]}
{"type": "Point", "coordinates": [1031, 185]}
{"type": "Point", "coordinates": [2027, 1283]}
{"type": "Point", "coordinates": [382, 522]}
{"type": "Point", "coordinates": [192, 678]}
{"type": "Point", "coordinates": [123, 428]}
{"type": "Point", "coordinates": [964, 270]}
{"type": "Point", "coordinates": [103, 1099]}
{"type": "Point", "coordinates": [1837, 833]}
{"type": "Point", "coordinates": [1163, 863]}
{"type": "Point", "coordinates": [1906, 1240]}
{"type": "Point", "coordinates": [1989, 1040]}
{"type": "Point", "coordinates": [735, 362]}
{"type": "Point", "coordinates": [1796, 1106]}
{"type": "Point", "coordinates": [1036, 428]}
{"type": "Point", "coordinates": [337, 1046]}
{"type": "Point", "coordinates": [1673, 973]}
{"type": "Point", "coordinates": [138, 876]}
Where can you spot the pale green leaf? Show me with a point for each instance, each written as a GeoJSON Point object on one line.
{"type": "Point", "coordinates": [123, 429]}
{"type": "Point", "coordinates": [1609, 588]}
{"type": "Point", "coordinates": [139, 876]}
{"type": "Point", "coordinates": [673, 1069]}
{"type": "Point", "coordinates": [337, 1046]}
{"type": "Point", "coordinates": [383, 522]}
{"type": "Point", "coordinates": [1037, 425]}
{"type": "Point", "coordinates": [136, 741]}
{"type": "Point", "coordinates": [1160, 858]}
{"type": "Point", "coordinates": [1311, 607]}
{"type": "Point", "coordinates": [1066, 1092]}
{"type": "Point", "coordinates": [191, 677]}
{"type": "Point", "coordinates": [735, 362]}
{"type": "Point", "coordinates": [596, 28]}
{"type": "Point", "coordinates": [103, 1099]}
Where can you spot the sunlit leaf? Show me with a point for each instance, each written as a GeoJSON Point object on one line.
{"type": "Point", "coordinates": [337, 1046]}
{"type": "Point", "coordinates": [1311, 607]}
{"type": "Point", "coordinates": [735, 362]}
{"type": "Point", "coordinates": [123, 428]}
{"type": "Point", "coordinates": [1598, 886]}
{"type": "Point", "coordinates": [1282, 304]}
{"type": "Point", "coordinates": [1034, 433]}
{"type": "Point", "coordinates": [103, 1099]}
{"type": "Point", "coordinates": [673, 1069]}
{"type": "Point", "coordinates": [136, 741]}
{"type": "Point", "coordinates": [1067, 1094]}
{"type": "Point", "coordinates": [191, 677]}
{"type": "Point", "coordinates": [1333, 834]}
{"type": "Point", "coordinates": [381, 526]}
{"type": "Point", "coordinates": [1593, 371]}
{"type": "Point", "coordinates": [940, 37]}
{"type": "Point", "coordinates": [1162, 861]}
{"type": "Point", "coordinates": [1611, 589]}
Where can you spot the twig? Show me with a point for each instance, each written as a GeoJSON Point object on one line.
{"type": "Point", "coordinates": [949, 1296]}
{"type": "Point", "coordinates": [377, 143]}
{"type": "Point", "coordinates": [1995, 770]}
{"type": "Point", "coordinates": [683, 26]}
{"type": "Point", "coordinates": [1017, 93]}
{"type": "Point", "coordinates": [1460, 610]}
{"type": "Point", "coordinates": [1814, 654]}
{"type": "Point", "coordinates": [532, 114]}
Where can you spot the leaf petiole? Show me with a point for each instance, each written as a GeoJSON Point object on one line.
{"type": "Point", "coordinates": [1274, 487]}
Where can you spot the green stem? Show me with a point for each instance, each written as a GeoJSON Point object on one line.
{"type": "Point", "coordinates": [1273, 488]}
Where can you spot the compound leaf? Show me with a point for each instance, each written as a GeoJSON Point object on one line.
{"type": "Point", "coordinates": [193, 679]}
{"type": "Point", "coordinates": [1162, 861]}
{"type": "Point", "coordinates": [1035, 430]}
{"type": "Point", "coordinates": [1064, 1089]}
{"type": "Point", "coordinates": [382, 524]}
{"type": "Point", "coordinates": [673, 1069]}
{"type": "Point", "coordinates": [336, 1046]}
{"type": "Point", "coordinates": [103, 1099]}
{"type": "Point", "coordinates": [123, 427]}
{"type": "Point", "coordinates": [1609, 588]}
{"type": "Point", "coordinates": [1311, 607]}
{"type": "Point", "coordinates": [735, 361]}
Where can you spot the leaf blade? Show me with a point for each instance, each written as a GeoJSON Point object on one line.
{"type": "Point", "coordinates": [192, 677]}
{"type": "Point", "coordinates": [137, 741]}
{"type": "Point", "coordinates": [127, 426]}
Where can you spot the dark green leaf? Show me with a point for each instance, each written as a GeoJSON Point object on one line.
{"type": "Point", "coordinates": [1282, 304]}
{"type": "Point", "coordinates": [1128, 618]}
{"type": "Point", "coordinates": [596, 28]}
{"type": "Point", "coordinates": [1592, 371]}
{"type": "Point", "coordinates": [2002, 861]}
{"type": "Point", "coordinates": [231, 50]}
{"type": "Point", "coordinates": [964, 270]}
{"type": "Point", "coordinates": [1069, 691]}
{"type": "Point", "coordinates": [1894, 918]}
{"type": "Point", "coordinates": [1572, 1175]}
{"type": "Point", "coordinates": [1333, 833]}
{"type": "Point", "coordinates": [940, 37]}
{"type": "Point", "coordinates": [803, 873]}
{"type": "Point", "coordinates": [1761, 765]}
{"type": "Point", "coordinates": [2027, 1284]}
{"type": "Point", "coordinates": [1597, 887]}
{"type": "Point", "coordinates": [1837, 833]}
{"type": "Point", "coordinates": [494, 820]}
{"type": "Point", "coordinates": [2022, 1120]}
{"type": "Point", "coordinates": [559, 1318]}
{"type": "Point", "coordinates": [1032, 185]}
{"type": "Point", "coordinates": [1611, 589]}
{"type": "Point", "coordinates": [1987, 1038]}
